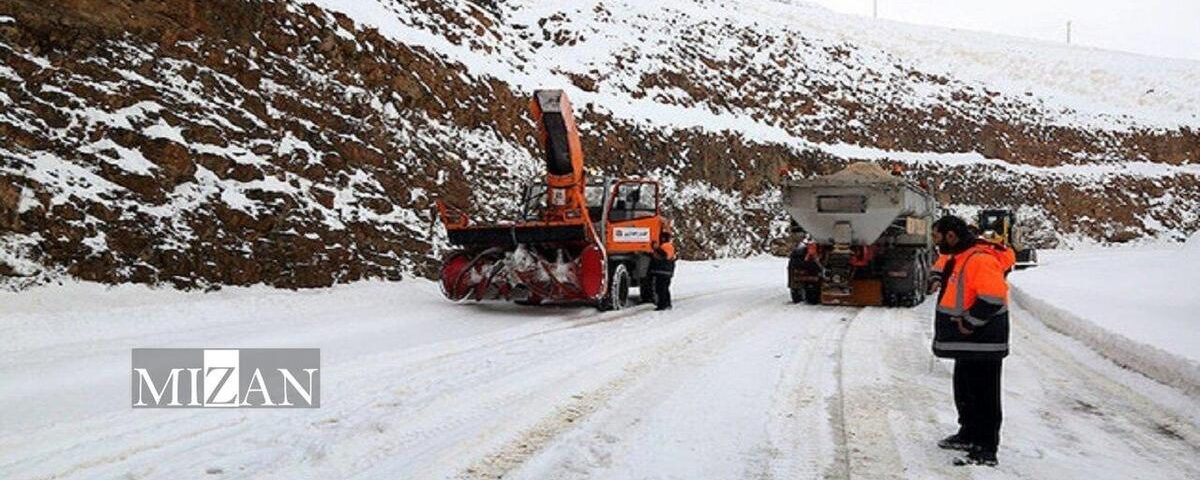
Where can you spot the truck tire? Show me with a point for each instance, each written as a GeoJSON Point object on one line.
{"type": "Point", "coordinates": [809, 294]}
{"type": "Point", "coordinates": [813, 295]}
{"type": "Point", "coordinates": [618, 290]}
{"type": "Point", "coordinates": [923, 266]}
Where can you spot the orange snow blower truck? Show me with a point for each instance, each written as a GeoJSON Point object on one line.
{"type": "Point", "coordinates": [575, 240]}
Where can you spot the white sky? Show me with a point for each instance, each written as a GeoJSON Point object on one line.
{"type": "Point", "coordinates": [1164, 28]}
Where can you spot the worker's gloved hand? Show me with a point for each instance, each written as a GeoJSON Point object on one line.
{"type": "Point", "coordinates": [934, 284]}
{"type": "Point", "coordinates": [962, 326]}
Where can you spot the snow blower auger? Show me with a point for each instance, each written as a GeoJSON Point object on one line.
{"type": "Point", "coordinates": [573, 241]}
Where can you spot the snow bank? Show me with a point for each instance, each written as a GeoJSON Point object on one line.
{"type": "Point", "coordinates": [1135, 307]}
{"type": "Point", "coordinates": [1191, 249]}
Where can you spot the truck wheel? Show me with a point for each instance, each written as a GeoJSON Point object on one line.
{"type": "Point", "coordinates": [922, 280]}
{"type": "Point", "coordinates": [646, 290]}
{"type": "Point", "coordinates": [618, 290]}
{"type": "Point", "coordinates": [812, 294]}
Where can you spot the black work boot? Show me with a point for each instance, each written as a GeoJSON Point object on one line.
{"type": "Point", "coordinates": [955, 442]}
{"type": "Point", "coordinates": [977, 456]}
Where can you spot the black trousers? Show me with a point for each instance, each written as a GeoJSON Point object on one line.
{"type": "Point", "coordinates": [977, 398]}
{"type": "Point", "coordinates": [662, 291]}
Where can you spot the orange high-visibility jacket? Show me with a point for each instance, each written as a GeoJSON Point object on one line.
{"type": "Point", "coordinates": [1006, 255]}
{"type": "Point", "coordinates": [668, 250]}
{"type": "Point", "coordinates": [975, 295]}
{"type": "Point", "coordinates": [663, 261]}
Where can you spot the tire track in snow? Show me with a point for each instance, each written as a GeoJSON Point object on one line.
{"type": "Point", "coordinates": [499, 339]}
{"type": "Point", "coordinates": [802, 413]}
{"type": "Point", "coordinates": [891, 414]}
{"type": "Point", "coordinates": [697, 344]}
{"type": "Point", "coordinates": [149, 439]}
{"type": "Point", "coordinates": [838, 407]}
{"type": "Point", "coordinates": [445, 414]}
{"type": "Point", "coordinates": [881, 360]}
{"type": "Point", "coordinates": [1129, 415]}
{"type": "Point", "coordinates": [123, 454]}
{"type": "Point", "coordinates": [738, 390]}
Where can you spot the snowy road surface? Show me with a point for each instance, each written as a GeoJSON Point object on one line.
{"type": "Point", "coordinates": [733, 383]}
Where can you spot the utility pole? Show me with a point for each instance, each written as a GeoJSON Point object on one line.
{"type": "Point", "coordinates": [1068, 32]}
{"type": "Point", "coordinates": [875, 9]}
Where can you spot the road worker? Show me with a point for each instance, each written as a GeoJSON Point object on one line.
{"type": "Point", "coordinates": [971, 326]}
{"type": "Point", "coordinates": [662, 268]}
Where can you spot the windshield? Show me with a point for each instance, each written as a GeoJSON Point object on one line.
{"type": "Point", "coordinates": [634, 200]}
{"type": "Point", "coordinates": [994, 223]}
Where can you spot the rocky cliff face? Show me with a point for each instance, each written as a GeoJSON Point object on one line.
{"type": "Point", "coordinates": [229, 142]}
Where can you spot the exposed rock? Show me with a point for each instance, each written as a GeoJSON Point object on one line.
{"type": "Point", "coordinates": [275, 149]}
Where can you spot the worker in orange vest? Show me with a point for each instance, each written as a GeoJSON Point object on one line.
{"type": "Point", "coordinates": [971, 326]}
{"type": "Point", "coordinates": [662, 268]}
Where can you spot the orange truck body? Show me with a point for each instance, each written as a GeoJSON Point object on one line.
{"type": "Point", "coordinates": [574, 241]}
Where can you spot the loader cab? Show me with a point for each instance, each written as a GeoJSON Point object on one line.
{"type": "Point", "coordinates": [624, 212]}
{"type": "Point", "coordinates": [633, 222]}
{"type": "Point", "coordinates": [998, 221]}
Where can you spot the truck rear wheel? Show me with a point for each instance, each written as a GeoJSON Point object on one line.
{"type": "Point", "coordinates": [810, 294]}
{"type": "Point", "coordinates": [618, 290]}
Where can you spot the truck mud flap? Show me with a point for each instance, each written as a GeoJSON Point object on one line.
{"type": "Point", "coordinates": [863, 293]}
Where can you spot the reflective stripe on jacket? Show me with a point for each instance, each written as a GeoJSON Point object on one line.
{"type": "Point", "coordinates": [975, 291]}
{"type": "Point", "coordinates": [663, 260]}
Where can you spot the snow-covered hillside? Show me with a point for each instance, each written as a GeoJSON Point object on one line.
{"type": "Point", "coordinates": [735, 382]}
{"type": "Point", "coordinates": [784, 52]}
{"type": "Point", "coordinates": [302, 144]}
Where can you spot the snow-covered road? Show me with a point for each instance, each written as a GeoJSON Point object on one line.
{"type": "Point", "coordinates": [733, 383]}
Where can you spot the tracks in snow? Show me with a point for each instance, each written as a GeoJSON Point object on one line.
{"type": "Point", "coordinates": [746, 398]}
{"type": "Point", "coordinates": [734, 383]}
